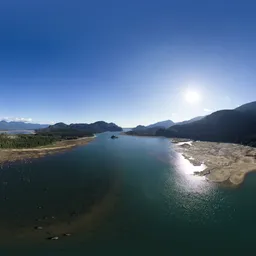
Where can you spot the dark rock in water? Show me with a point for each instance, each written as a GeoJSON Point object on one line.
{"type": "Point", "coordinates": [114, 137]}
{"type": "Point", "coordinates": [204, 172]}
{"type": "Point", "coordinates": [73, 213]}
{"type": "Point", "coordinates": [53, 238]}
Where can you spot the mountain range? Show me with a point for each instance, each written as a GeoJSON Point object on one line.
{"type": "Point", "coordinates": [249, 108]}
{"type": "Point", "coordinates": [190, 120]}
{"type": "Point", "coordinates": [4, 126]}
{"type": "Point", "coordinates": [96, 127]}
{"type": "Point", "coordinates": [163, 124]}
{"type": "Point", "coordinates": [236, 126]}
{"type": "Point", "coordinates": [152, 128]}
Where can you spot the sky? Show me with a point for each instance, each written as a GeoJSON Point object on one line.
{"type": "Point", "coordinates": [128, 62]}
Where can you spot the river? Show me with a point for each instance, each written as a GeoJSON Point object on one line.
{"type": "Point", "coordinates": [127, 196]}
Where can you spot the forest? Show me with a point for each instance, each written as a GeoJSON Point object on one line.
{"type": "Point", "coordinates": [25, 140]}
{"type": "Point", "coordinates": [63, 133]}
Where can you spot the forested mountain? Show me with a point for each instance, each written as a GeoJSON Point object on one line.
{"type": "Point", "coordinates": [249, 108]}
{"type": "Point", "coordinates": [224, 125]}
{"type": "Point", "coordinates": [163, 124]}
{"type": "Point", "coordinates": [190, 120]}
{"type": "Point", "coordinates": [235, 126]}
{"type": "Point", "coordinates": [78, 130]}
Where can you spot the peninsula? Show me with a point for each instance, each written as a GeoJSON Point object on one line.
{"type": "Point", "coordinates": [49, 140]}
{"type": "Point", "coordinates": [19, 154]}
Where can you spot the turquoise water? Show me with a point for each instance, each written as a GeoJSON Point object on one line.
{"type": "Point", "coordinates": [154, 205]}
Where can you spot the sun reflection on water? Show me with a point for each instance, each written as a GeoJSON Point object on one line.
{"type": "Point", "coordinates": [185, 166]}
{"type": "Point", "coordinates": [187, 193]}
{"type": "Point", "coordinates": [183, 177]}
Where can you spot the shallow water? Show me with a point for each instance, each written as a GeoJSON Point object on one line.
{"type": "Point", "coordinates": [131, 195]}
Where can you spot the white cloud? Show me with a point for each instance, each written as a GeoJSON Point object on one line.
{"type": "Point", "coordinates": [207, 110]}
{"type": "Point", "coordinates": [17, 119]}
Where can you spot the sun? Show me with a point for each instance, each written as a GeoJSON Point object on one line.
{"type": "Point", "coordinates": [192, 97]}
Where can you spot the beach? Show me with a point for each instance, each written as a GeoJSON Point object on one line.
{"type": "Point", "coordinates": [12, 155]}
{"type": "Point", "coordinates": [225, 162]}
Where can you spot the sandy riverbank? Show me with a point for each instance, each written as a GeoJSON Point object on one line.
{"type": "Point", "coordinates": [11, 155]}
{"type": "Point", "coordinates": [225, 162]}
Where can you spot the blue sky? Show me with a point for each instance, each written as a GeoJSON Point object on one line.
{"type": "Point", "coordinates": [128, 62]}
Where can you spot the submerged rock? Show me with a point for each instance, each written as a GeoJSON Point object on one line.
{"type": "Point", "coordinates": [73, 213]}
{"type": "Point", "coordinates": [53, 238]}
{"type": "Point", "coordinates": [39, 228]}
{"type": "Point", "coordinates": [204, 172]}
{"type": "Point", "coordinates": [46, 189]}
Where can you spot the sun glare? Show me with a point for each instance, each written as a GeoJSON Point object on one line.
{"type": "Point", "coordinates": [192, 97]}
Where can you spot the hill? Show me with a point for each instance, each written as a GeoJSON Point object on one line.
{"type": "Point", "coordinates": [151, 129]}
{"type": "Point", "coordinates": [222, 126]}
{"type": "Point", "coordinates": [97, 127]}
{"type": "Point", "coordinates": [163, 124]}
{"type": "Point", "coordinates": [78, 130]}
{"type": "Point", "coordinates": [190, 120]}
{"type": "Point", "coordinates": [4, 126]}
{"type": "Point", "coordinates": [144, 132]}
{"type": "Point", "coordinates": [249, 108]}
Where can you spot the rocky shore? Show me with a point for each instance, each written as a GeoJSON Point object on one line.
{"type": "Point", "coordinates": [225, 162]}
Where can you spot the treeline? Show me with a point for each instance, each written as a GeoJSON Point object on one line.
{"type": "Point", "coordinates": [25, 141]}
{"type": "Point", "coordinates": [66, 133]}
{"type": "Point", "coordinates": [41, 138]}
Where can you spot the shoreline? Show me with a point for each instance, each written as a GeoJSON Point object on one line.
{"type": "Point", "coordinates": [141, 136]}
{"type": "Point", "coordinates": [225, 162]}
{"type": "Point", "coordinates": [13, 155]}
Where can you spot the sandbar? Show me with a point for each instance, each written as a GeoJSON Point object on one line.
{"type": "Point", "coordinates": [225, 162]}
{"type": "Point", "coordinates": [12, 155]}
